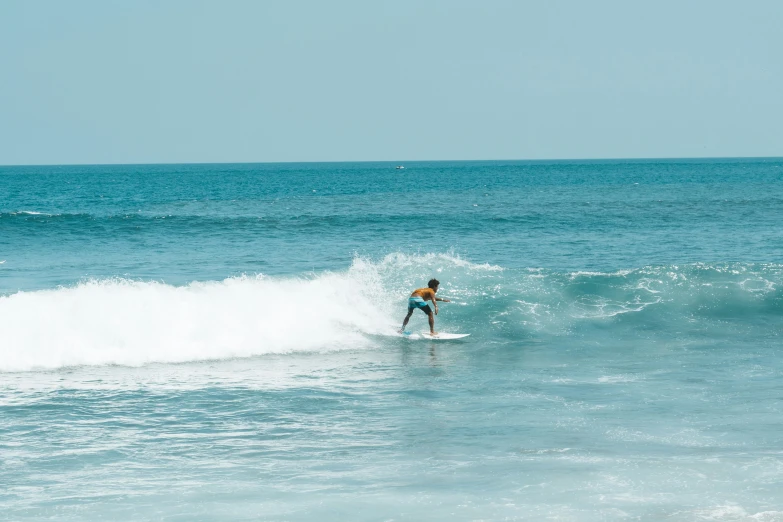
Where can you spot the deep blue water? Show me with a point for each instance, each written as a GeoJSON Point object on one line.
{"type": "Point", "coordinates": [217, 341]}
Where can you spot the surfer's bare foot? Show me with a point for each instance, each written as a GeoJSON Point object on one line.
{"type": "Point", "coordinates": [433, 333]}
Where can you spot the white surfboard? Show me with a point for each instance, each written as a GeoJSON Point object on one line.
{"type": "Point", "coordinates": [440, 336]}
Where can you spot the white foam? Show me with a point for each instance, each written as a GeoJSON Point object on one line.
{"type": "Point", "coordinates": [615, 379]}
{"type": "Point", "coordinates": [133, 323]}
{"type": "Point", "coordinates": [737, 513]}
{"type": "Point", "coordinates": [587, 273]}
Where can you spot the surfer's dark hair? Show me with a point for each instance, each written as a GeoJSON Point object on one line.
{"type": "Point", "coordinates": [433, 283]}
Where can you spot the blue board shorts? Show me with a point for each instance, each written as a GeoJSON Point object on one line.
{"type": "Point", "coordinates": [418, 302]}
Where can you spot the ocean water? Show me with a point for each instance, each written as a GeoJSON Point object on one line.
{"type": "Point", "coordinates": [217, 342]}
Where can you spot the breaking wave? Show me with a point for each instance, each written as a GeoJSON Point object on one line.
{"type": "Point", "coordinates": [126, 322]}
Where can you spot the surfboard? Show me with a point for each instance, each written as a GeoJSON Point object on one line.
{"type": "Point", "coordinates": [441, 336]}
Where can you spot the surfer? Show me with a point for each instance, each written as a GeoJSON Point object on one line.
{"type": "Point", "coordinates": [417, 300]}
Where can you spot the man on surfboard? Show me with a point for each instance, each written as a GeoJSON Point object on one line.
{"type": "Point", "coordinates": [417, 300]}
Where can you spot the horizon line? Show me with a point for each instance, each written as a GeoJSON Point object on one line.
{"type": "Point", "coordinates": [399, 162]}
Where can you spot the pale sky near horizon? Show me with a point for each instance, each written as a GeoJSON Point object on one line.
{"type": "Point", "coordinates": [255, 81]}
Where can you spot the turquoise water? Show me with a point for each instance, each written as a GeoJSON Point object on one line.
{"type": "Point", "coordinates": [217, 342]}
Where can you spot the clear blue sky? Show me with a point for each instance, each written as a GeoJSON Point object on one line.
{"type": "Point", "coordinates": [254, 81]}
